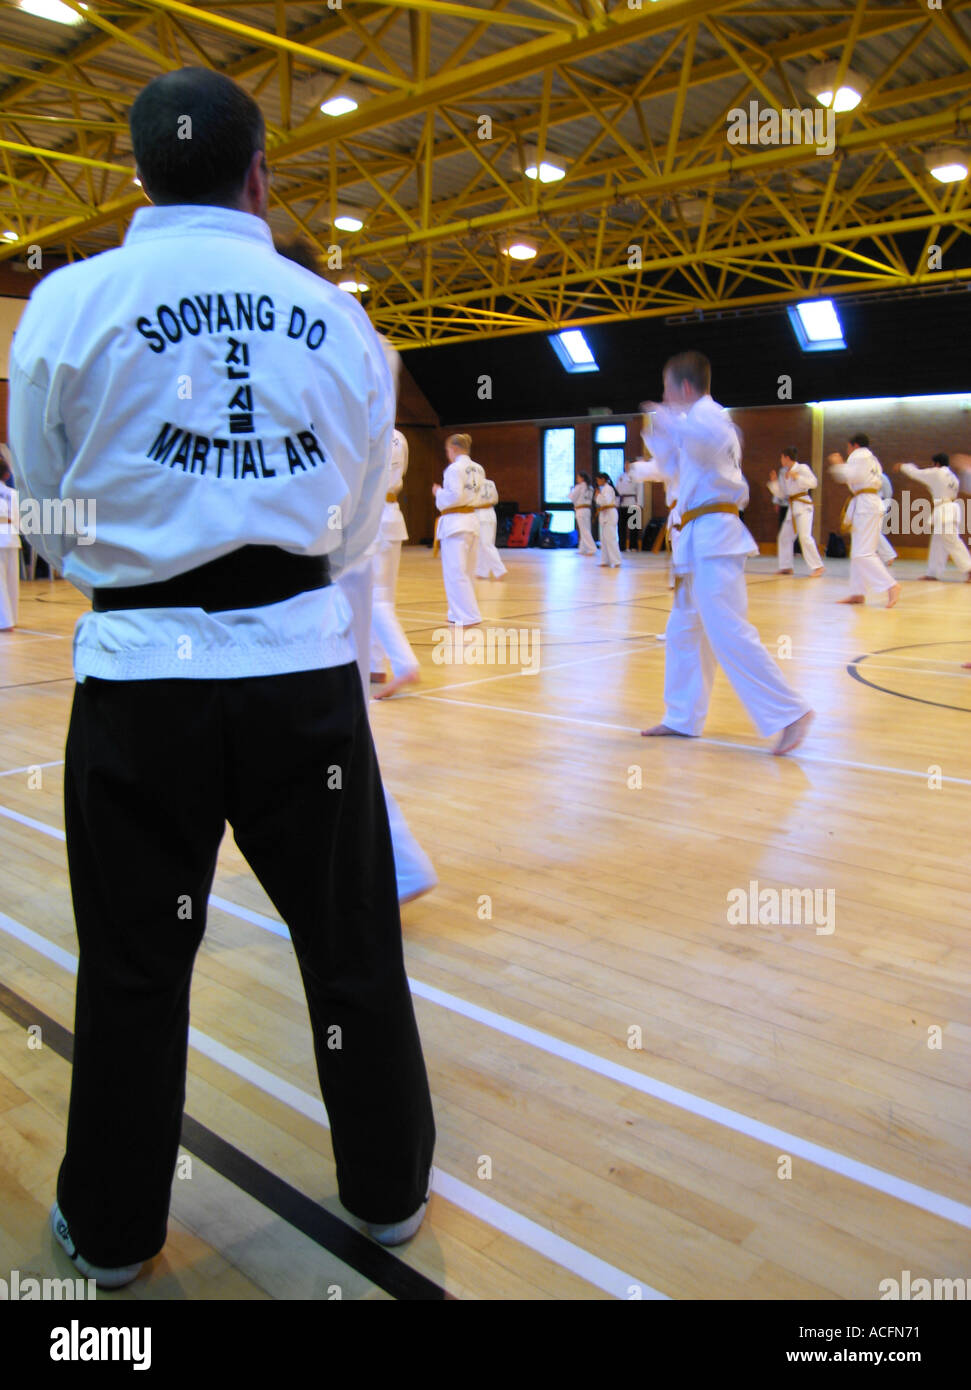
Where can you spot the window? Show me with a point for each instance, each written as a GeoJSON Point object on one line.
{"type": "Point", "coordinates": [572, 349]}
{"type": "Point", "coordinates": [610, 434]}
{"type": "Point", "coordinates": [559, 465]}
{"type": "Point", "coordinates": [817, 326]}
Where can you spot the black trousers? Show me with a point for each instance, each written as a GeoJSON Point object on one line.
{"type": "Point", "coordinates": [153, 771]}
{"type": "Point", "coordinates": [627, 527]}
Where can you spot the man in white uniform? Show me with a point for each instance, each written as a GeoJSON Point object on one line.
{"type": "Point", "coordinates": [488, 565]}
{"type": "Point", "coordinates": [605, 500]}
{"type": "Point", "coordinates": [457, 532]}
{"type": "Point", "coordinates": [387, 635]}
{"type": "Point", "coordinates": [863, 515]}
{"type": "Point", "coordinates": [651, 471]}
{"type": "Point", "coordinates": [885, 550]}
{"type": "Point", "coordinates": [946, 543]}
{"type": "Point", "coordinates": [792, 487]}
{"type": "Point", "coordinates": [216, 674]}
{"type": "Point", "coordinates": [694, 439]}
{"type": "Point", "coordinates": [582, 498]}
{"type": "Point", "coordinates": [628, 530]}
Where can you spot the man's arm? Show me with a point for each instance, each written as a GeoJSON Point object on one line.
{"type": "Point", "coordinates": [366, 502]}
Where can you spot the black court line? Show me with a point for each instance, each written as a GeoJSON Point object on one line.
{"type": "Point", "coordinates": [853, 670]}
{"type": "Point", "coordinates": [369, 1259]}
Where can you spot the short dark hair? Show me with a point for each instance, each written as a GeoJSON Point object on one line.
{"type": "Point", "coordinates": [692, 367]}
{"type": "Point", "coordinates": [586, 478]}
{"type": "Point", "coordinates": [862, 441]}
{"type": "Point", "coordinates": [194, 133]}
{"type": "Point", "coordinates": [790, 453]}
{"type": "Point", "coordinates": [942, 460]}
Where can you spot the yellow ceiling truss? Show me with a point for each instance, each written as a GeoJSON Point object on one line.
{"type": "Point", "coordinates": [657, 214]}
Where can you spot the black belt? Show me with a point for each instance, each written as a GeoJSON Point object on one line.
{"type": "Point", "coordinates": [253, 577]}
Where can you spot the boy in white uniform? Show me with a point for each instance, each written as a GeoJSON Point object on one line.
{"type": "Point", "coordinates": [488, 564]}
{"type": "Point", "coordinates": [792, 487]}
{"type": "Point", "coordinates": [606, 503]}
{"type": "Point", "coordinates": [457, 532]}
{"type": "Point", "coordinates": [387, 635]}
{"type": "Point", "coordinates": [582, 498]}
{"type": "Point", "coordinates": [215, 675]}
{"type": "Point", "coordinates": [863, 514]}
{"type": "Point", "coordinates": [946, 543]}
{"type": "Point", "coordinates": [694, 439]}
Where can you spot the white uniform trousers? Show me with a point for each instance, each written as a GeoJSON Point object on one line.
{"type": "Point", "coordinates": [708, 624]}
{"type": "Point", "coordinates": [9, 586]}
{"type": "Point", "coordinates": [609, 544]}
{"type": "Point", "coordinates": [802, 525]}
{"type": "Point", "coordinates": [885, 550]}
{"type": "Point", "coordinates": [387, 635]}
{"type": "Point", "coordinates": [488, 564]}
{"type": "Point", "coordinates": [587, 545]}
{"type": "Point", "coordinates": [458, 563]}
{"type": "Point", "coordinates": [414, 871]}
{"type": "Point", "coordinates": [867, 569]}
{"type": "Point", "coordinates": [946, 542]}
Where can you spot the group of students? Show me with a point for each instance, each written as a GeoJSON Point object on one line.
{"type": "Point", "coordinates": [606, 500]}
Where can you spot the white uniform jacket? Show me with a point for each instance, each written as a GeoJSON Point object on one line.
{"type": "Point", "coordinates": [393, 526]}
{"type": "Point", "coordinates": [581, 495]}
{"type": "Point", "coordinates": [651, 471]}
{"type": "Point", "coordinates": [702, 449]}
{"type": "Point", "coordinates": [789, 484]}
{"type": "Point", "coordinates": [460, 488]}
{"type": "Point", "coordinates": [861, 471]}
{"type": "Point", "coordinates": [208, 394]}
{"type": "Point", "coordinates": [9, 535]}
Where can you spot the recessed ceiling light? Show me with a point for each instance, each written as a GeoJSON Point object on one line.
{"type": "Point", "coordinates": [817, 325]}
{"type": "Point", "coordinates": [550, 169]}
{"type": "Point", "coordinates": [52, 10]}
{"type": "Point", "coordinates": [821, 82]}
{"type": "Point", "coordinates": [347, 220]}
{"type": "Point", "coordinates": [947, 163]}
{"type": "Point", "coordinates": [519, 248]}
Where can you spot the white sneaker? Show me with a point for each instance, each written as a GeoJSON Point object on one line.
{"type": "Point", "coordinates": [115, 1278]}
{"type": "Point", "coordinates": [400, 1231]}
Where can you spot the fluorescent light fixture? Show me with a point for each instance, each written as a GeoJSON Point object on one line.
{"type": "Point", "coordinates": [348, 98]}
{"type": "Point", "coordinates": [519, 248]}
{"type": "Point", "coordinates": [572, 349]}
{"type": "Point", "coordinates": [896, 402]}
{"type": "Point", "coordinates": [817, 326]}
{"type": "Point", "coordinates": [947, 163]}
{"type": "Point", "coordinates": [353, 286]}
{"type": "Point", "coordinates": [347, 220]}
{"type": "Point", "coordinates": [821, 81]}
{"type": "Point", "coordinates": [52, 10]}
{"type": "Point", "coordinates": [548, 170]}
{"type": "Point", "coordinates": [11, 236]}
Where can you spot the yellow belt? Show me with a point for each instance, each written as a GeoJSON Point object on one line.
{"type": "Point", "coordinates": [705, 510]}
{"type": "Point", "coordinates": [843, 523]}
{"type": "Point", "coordinates": [607, 507]}
{"type": "Point", "coordinates": [581, 507]}
{"type": "Point", "coordinates": [445, 512]}
{"type": "Point", "coordinates": [391, 497]}
{"type": "Point", "coordinates": [800, 497]}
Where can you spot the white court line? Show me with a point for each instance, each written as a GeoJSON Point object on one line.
{"type": "Point", "coordinates": [35, 632]}
{"type": "Point", "coordinates": [711, 742]}
{"type": "Point", "coordinates": [947, 1208]}
{"type": "Point", "coordinates": [11, 772]}
{"type": "Point", "coordinates": [553, 1247]}
{"type": "Point", "coordinates": [656, 646]}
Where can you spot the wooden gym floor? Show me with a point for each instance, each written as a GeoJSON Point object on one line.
{"type": "Point", "coordinates": [635, 1095]}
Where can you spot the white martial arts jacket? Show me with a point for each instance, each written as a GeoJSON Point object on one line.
{"type": "Point", "coordinates": [701, 448]}
{"type": "Point", "coordinates": [9, 535]}
{"type": "Point", "coordinates": [208, 394]}
{"type": "Point", "coordinates": [581, 495]}
{"type": "Point", "coordinates": [789, 484]}
{"type": "Point", "coordinates": [627, 488]}
{"type": "Point", "coordinates": [488, 495]}
{"type": "Point", "coordinates": [460, 488]}
{"type": "Point", "coordinates": [393, 526]}
{"type": "Point", "coordinates": [861, 470]}
{"type": "Point", "coordinates": [945, 487]}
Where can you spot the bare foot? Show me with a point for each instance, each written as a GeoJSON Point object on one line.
{"type": "Point", "coordinates": [397, 683]}
{"type": "Point", "coordinates": [378, 677]}
{"type": "Point", "coordinates": [785, 571]}
{"type": "Point", "coordinates": [816, 574]}
{"type": "Point", "coordinates": [793, 734]}
{"type": "Point", "coordinates": [853, 598]}
{"type": "Point", "coordinates": [893, 595]}
{"type": "Point", "coordinates": [966, 665]}
{"type": "Point", "coordinates": [662, 731]}
{"type": "Point", "coordinates": [891, 562]}
{"type": "Point", "coordinates": [931, 577]}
